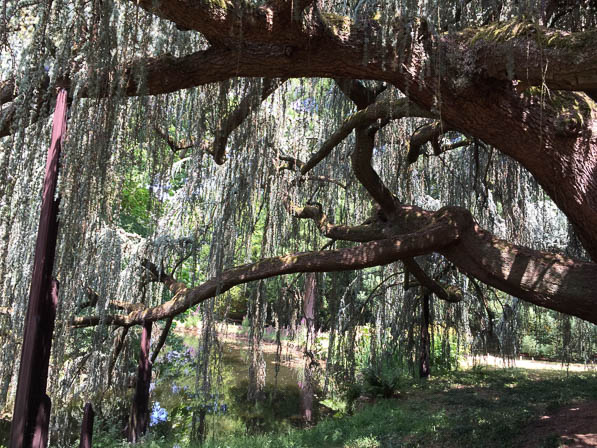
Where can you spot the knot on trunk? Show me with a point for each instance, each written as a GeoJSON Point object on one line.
{"type": "Point", "coordinates": [569, 124]}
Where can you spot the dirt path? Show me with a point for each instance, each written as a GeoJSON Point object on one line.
{"type": "Point", "coordinates": [571, 426]}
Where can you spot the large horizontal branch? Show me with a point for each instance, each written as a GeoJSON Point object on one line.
{"type": "Point", "coordinates": [552, 281]}
{"type": "Point", "coordinates": [227, 22]}
{"type": "Point", "coordinates": [537, 55]}
{"type": "Point", "coordinates": [498, 50]}
{"type": "Point", "coordinates": [369, 254]}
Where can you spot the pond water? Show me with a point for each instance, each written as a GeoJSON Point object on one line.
{"type": "Point", "coordinates": [175, 399]}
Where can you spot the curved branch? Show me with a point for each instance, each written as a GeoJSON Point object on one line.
{"type": "Point", "coordinates": [552, 281]}
{"type": "Point", "coordinates": [438, 235]}
{"type": "Point", "coordinates": [295, 164]}
{"type": "Point", "coordinates": [7, 91]}
{"type": "Point", "coordinates": [428, 133]}
{"type": "Point", "coordinates": [384, 109]}
{"type": "Point", "coordinates": [367, 176]}
{"type": "Point", "coordinates": [118, 346]}
{"type": "Point", "coordinates": [162, 339]}
{"type": "Point", "coordinates": [182, 145]}
{"type": "Point", "coordinates": [362, 233]}
{"type": "Point", "coordinates": [518, 47]}
{"type": "Point", "coordinates": [249, 104]}
{"type": "Point", "coordinates": [252, 100]}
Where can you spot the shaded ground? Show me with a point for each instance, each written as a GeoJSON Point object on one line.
{"type": "Point", "coordinates": [571, 426]}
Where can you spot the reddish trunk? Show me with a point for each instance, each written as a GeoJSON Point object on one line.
{"type": "Point", "coordinates": [87, 427]}
{"type": "Point", "coordinates": [42, 423]}
{"type": "Point", "coordinates": [32, 405]}
{"type": "Point", "coordinates": [139, 417]}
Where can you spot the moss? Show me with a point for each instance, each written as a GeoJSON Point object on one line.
{"type": "Point", "coordinates": [573, 106]}
{"type": "Point", "coordinates": [454, 293]}
{"type": "Point", "coordinates": [288, 259]}
{"type": "Point", "coordinates": [339, 25]}
{"type": "Point", "coordinates": [505, 31]}
{"type": "Point", "coordinates": [559, 39]}
{"type": "Point", "coordinates": [218, 4]}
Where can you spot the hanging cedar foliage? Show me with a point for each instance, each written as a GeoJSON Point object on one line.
{"type": "Point", "coordinates": [215, 145]}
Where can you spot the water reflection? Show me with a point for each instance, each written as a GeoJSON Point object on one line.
{"type": "Point", "coordinates": [228, 412]}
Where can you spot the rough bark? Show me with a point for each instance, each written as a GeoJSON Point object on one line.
{"type": "Point", "coordinates": [42, 423]}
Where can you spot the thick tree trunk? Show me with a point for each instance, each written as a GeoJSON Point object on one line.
{"type": "Point", "coordinates": [32, 405]}
{"type": "Point", "coordinates": [425, 341]}
{"type": "Point", "coordinates": [87, 427]}
{"type": "Point", "coordinates": [139, 417]}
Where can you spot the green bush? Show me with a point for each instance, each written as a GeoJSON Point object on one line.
{"type": "Point", "coordinates": [383, 378]}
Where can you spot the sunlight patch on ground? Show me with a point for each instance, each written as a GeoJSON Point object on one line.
{"type": "Point", "coordinates": [498, 362]}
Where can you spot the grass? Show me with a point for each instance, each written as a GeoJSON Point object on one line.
{"type": "Point", "coordinates": [478, 407]}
